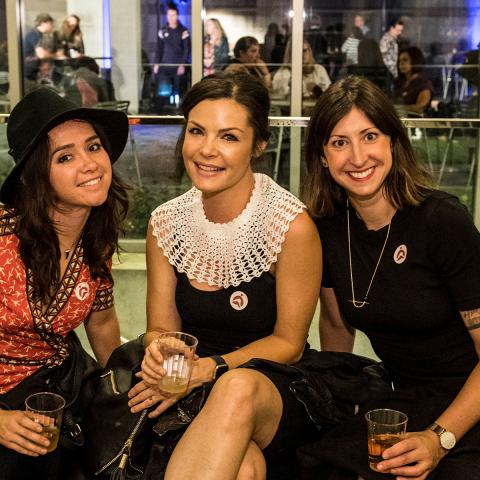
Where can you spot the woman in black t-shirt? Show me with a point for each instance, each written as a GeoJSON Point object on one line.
{"type": "Point", "coordinates": [413, 91]}
{"type": "Point", "coordinates": [400, 264]}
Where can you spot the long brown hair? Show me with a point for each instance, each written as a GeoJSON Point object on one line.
{"type": "Point", "coordinates": [407, 183]}
{"type": "Point", "coordinates": [39, 246]}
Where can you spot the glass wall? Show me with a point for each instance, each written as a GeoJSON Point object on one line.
{"type": "Point", "coordinates": [136, 55]}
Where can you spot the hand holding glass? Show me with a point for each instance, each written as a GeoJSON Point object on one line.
{"type": "Point", "coordinates": [178, 351]}
{"type": "Point", "coordinates": [385, 428]}
{"type": "Point", "coordinates": [47, 409]}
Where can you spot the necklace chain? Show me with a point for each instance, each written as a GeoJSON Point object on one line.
{"type": "Point", "coordinates": [357, 303]}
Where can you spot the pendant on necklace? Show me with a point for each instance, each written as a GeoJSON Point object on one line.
{"type": "Point", "coordinates": [67, 253]}
{"type": "Point", "coordinates": [358, 304]}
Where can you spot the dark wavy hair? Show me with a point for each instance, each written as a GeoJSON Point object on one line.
{"type": "Point", "coordinates": [244, 89]}
{"type": "Point", "coordinates": [417, 59]}
{"type": "Point", "coordinates": [39, 246]}
{"type": "Point", "coordinates": [407, 183]}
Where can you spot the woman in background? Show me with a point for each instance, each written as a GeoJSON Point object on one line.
{"type": "Point", "coordinates": [413, 91]}
{"type": "Point", "coordinates": [70, 37]}
{"type": "Point", "coordinates": [315, 79]}
{"type": "Point", "coordinates": [215, 53]}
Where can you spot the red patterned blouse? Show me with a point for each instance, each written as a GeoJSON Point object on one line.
{"type": "Point", "coordinates": [30, 339]}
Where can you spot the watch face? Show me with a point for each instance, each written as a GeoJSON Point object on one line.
{"type": "Point", "coordinates": [447, 440]}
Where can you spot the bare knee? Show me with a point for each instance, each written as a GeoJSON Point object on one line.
{"type": "Point", "coordinates": [237, 392]}
{"type": "Point", "coordinates": [253, 466]}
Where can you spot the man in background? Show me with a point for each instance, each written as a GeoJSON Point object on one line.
{"type": "Point", "coordinates": [389, 46]}
{"type": "Point", "coordinates": [173, 52]}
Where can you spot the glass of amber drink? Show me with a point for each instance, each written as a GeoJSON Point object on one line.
{"type": "Point", "coordinates": [385, 428]}
{"type": "Point", "coordinates": [178, 351]}
{"type": "Point", "coordinates": [47, 409]}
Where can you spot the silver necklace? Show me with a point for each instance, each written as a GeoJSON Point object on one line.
{"type": "Point", "coordinates": [357, 303]}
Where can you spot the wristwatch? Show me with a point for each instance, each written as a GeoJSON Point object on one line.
{"type": "Point", "coordinates": [220, 368]}
{"type": "Point", "coordinates": [447, 439]}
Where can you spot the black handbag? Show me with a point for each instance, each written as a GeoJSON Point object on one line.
{"type": "Point", "coordinates": [123, 445]}
{"type": "Point", "coordinates": [117, 441]}
{"type": "Point", "coordinates": [71, 380]}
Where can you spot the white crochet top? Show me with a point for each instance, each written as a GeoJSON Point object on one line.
{"type": "Point", "coordinates": [226, 254]}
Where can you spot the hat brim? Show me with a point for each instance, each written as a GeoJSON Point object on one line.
{"type": "Point", "coordinates": [114, 125]}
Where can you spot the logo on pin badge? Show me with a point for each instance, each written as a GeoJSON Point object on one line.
{"type": "Point", "coordinates": [238, 300]}
{"type": "Point", "coordinates": [82, 290]}
{"type": "Point", "coordinates": [400, 254]}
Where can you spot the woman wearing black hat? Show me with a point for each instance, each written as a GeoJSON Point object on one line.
{"type": "Point", "coordinates": [59, 226]}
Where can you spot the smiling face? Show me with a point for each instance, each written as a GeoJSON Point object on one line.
{"type": "Point", "coordinates": [218, 146]}
{"type": "Point", "coordinates": [359, 157]}
{"type": "Point", "coordinates": [80, 168]}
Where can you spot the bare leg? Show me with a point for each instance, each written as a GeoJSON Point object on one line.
{"type": "Point", "coordinates": [253, 466]}
{"type": "Point", "coordinates": [243, 406]}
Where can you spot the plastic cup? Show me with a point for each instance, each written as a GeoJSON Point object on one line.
{"type": "Point", "coordinates": [385, 428]}
{"type": "Point", "coordinates": [47, 409]}
{"type": "Point", "coordinates": [178, 351]}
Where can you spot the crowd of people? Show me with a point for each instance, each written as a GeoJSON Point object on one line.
{"type": "Point", "coordinates": [56, 58]}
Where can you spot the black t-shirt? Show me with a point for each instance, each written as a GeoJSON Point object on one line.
{"type": "Point", "coordinates": [430, 270]}
{"type": "Point", "coordinates": [408, 94]}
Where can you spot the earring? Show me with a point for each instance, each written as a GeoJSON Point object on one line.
{"type": "Point", "coordinates": [324, 163]}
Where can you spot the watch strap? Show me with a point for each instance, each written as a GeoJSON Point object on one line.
{"type": "Point", "coordinates": [220, 368]}
{"type": "Point", "coordinates": [437, 428]}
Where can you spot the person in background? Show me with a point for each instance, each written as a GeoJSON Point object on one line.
{"type": "Point", "coordinates": [350, 46]}
{"type": "Point", "coordinates": [315, 78]}
{"type": "Point", "coordinates": [84, 86]}
{"type": "Point", "coordinates": [370, 65]}
{"type": "Point", "coordinates": [215, 47]}
{"type": "Point", "coordinates": [173, 50]}
{"type": "Point", "coordinates": [401, 265]}
{"type": "Point", "coordinates": [272, 39]}
{"type": "Point", "coordinates": [40, 48]}
{"type": "Point", "coordinates": [70, 38]}
{"type": "Point", "coordinates": [413, 91]}
{"type": "Point", "coordinates": [246, 285]}
{"type": "Point", "coordinates": [247, 60]}
{"type": "Point", "coordinates": [389, 46]}
{"type": "Point", "coordinates": [359, 22]}
{"type": "Point", "coordinates": [62, 213]}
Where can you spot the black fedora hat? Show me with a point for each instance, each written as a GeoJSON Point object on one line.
{"type": "Point", "coordinates": [40, 111]}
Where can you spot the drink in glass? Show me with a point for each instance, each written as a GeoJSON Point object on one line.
{"type": "Point", "coordinates": [178, 351]}
{"type": "Point", "coordinates": [385, 428]}
{"type": "Point", "coordinates": [47, 409]}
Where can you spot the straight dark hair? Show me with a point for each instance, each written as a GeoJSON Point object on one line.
{"type": "Point", "coordinates": [39, 246]}
{"type": "Point", "coordinates": [407, 183]}
{"type": "Point", "coordinates": [244, 89]}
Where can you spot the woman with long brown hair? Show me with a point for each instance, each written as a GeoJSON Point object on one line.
{"type": "Point", "coordinates": [401, 265]}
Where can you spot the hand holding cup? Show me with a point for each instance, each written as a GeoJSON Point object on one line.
{"type": "Point", "coordinates": [178, 352]}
